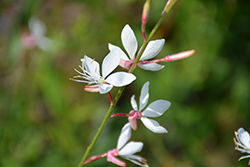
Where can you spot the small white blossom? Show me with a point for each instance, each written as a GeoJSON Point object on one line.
{"type": "Point", "coordinates": [105, 82]}
{"type": "Point", "coordinates": [123, 150]}
{"type": "Point", "coordinates": [243, 142]}
{"type": "Point", "coordinates": [154, 109]}
{"type": "Point", "coordinates": [37, 36]}
{"type": "Point", "coordinates": [127, 151]}
{"type": "Point", "coordinates": [130, 44]}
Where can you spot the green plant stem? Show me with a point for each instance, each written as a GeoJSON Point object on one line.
{"type": "Point", "coordinates": [133, 67]}
{"type": "Point", "coordinates": [152, 33]}
{"type": "Point", "coordinates": [85, 156]}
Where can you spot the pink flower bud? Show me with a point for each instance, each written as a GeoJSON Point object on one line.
{"type": "Point", "coordinates": [134, 115]}
{"type": "Point", "coordinates": [181, 55]}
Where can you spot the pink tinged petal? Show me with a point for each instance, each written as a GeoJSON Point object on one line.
{"type": "Point", "coordinates": [122, 54]}
{"type": "Point", "coordinates": [151, 66]}
{"type": "Point", "coordinates": [91, 66]}
{"type": "Point", "coordinates": [126, 63]}
{"type": "Point", "coordinates": [111, 158]}
{"type": "Point", "coordinates": [152, 49]}
{"type": "Point", "coordinates": [134, 115]}
{"type": "Point", "coordinates": [133, 103]}
{"type": "Point", "coordinates": [244, 137]}
{"type": "Point", "coordinates": [144, 96]}
{"type": "Point", "coordinates": [110, 62]}
{"type": "Point", "coordinates": [156, 108]}
{"type": "Point", "coordinates": [105, 88]}
{"type": "Point", "coordinates": [28, 40]}
{"type": "Point", "coordinates": [124, 136]}
{"type": "Point", "coordinates": [153, 125]}
{"type": "Point", "coordinates": [133, 122]}
{"type": "Point", "coordinates": [129, 41]}
{"type": "Point", "coordinates": [91, 88]}
{"type": "Point", "coordinates": [116, 161]}
{"type": "Point", "coordinates": [120, 79]}
{"type": "Point", "coordinates": [131, 148]}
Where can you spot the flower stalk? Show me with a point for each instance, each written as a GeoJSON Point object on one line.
{"type": "Point", "coordinates": [144, 19]}
{"type": "Point", "coordinates": [167, 8]}
{"type": "Point", "coordinates": [111, 99]}
{"type": "Point", "coordinates": [89, 148]}
{"type": "Point", "coordinates": [131, 70]}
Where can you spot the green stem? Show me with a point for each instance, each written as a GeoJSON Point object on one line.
{"type": "Point", "coordinates": [168, 6]}
{"type": "Point", "coordinates": [89, 148]}
{"type": "Point", "coordinates": [133, 67]}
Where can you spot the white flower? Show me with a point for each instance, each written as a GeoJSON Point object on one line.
{"type": "Point", "coordinates": [130, 44]}
{"type": "Point", "coordinates": [105, 82]}
{"type": "Point", "coordinates": [154, 109]}
{"type": "Point", "coordinates": [125, 151]}
{"type": "Point", "coordinates": [37, 36]}
{"type": "Point", "coordinates": [243, 142]}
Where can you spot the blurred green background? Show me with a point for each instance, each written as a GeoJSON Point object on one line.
{"type": "Point", "coordinates": [48, 120]}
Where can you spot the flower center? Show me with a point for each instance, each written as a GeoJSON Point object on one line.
{"type": "Point", "coordinates": [135, 114]}
{"type": "Point", "coordinates": [101, 81]}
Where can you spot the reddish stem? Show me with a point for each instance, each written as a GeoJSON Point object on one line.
{"type": "Point", "coordinates": [95, 158]}
{"type": "Point", "coordinates": [120, 115]}
{"type": "Point", "coordinates": [111, 99]}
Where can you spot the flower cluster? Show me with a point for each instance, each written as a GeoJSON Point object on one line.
{"type": "Point", "coordinates": [103, 83]}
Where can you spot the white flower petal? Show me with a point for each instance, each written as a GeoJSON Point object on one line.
{"type": "Point", "coordinates": [131, 148]}
{"type": "Point", "coordinates": [120, 79]}
{"type": "Point", "coordinates": [105, 88]}
{"type": "Point", "coordinates": [156, 108]}
{"type": "Point", "coordinates": [144, 96]}
{"type": "Point", "coordinates": [110, 62]}
{"type": "Point", "coordinates": [124, 136]}
{"type": "Point", "coordinates": [133, 103]}
{"type": "Point", "coordinates": [122, 54]}
{"type": "Point", "coordinates": [153, 125]}
{"type": "Point", "coordinates": [91, 66]}
{"type": "Point", "coordinates": [44, 43]}
{"type": "Point", "coordinates": [244, 137]}
{"type": "Point", "coordinates": [136, 160]}
{"type": "Point", "coordinates": [152, 49]}
{"type": "Point", "coordinates": [129, 41]}
{"type": "Point", "coordinates": [36, 27]}
{"type": "Point", "coordinates": [152, 66]}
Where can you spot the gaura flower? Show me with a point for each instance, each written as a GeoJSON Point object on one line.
{"type": "Point", "coordinates": [125, 151]}
{"type": "Point", "coordinates": [242, 143]}
{"type": "Point", "coordinates": [130, 44]}
{"type": "Point", "coordinates": [36, 37]}
{"type": "Point", "coordinates": [105, 82]}
{"type": "Point", "coordinates": [154, 109]}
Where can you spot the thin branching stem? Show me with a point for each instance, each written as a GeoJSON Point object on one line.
{"type": "Point", "coordinates": [133, 67]}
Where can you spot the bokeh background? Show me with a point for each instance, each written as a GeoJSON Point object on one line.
{"type": "Point", "coordinates": [48, 120]}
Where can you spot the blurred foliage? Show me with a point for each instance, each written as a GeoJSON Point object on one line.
{"type": "Point", "coordinates": [48, 120]}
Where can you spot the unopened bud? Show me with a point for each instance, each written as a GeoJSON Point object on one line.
{"type": "Point", "coordinates": [181, 55]}
{"type": "Point", "coordinates": [146, 11]}
{"type": "Point", "coordinates": [144, 19]}
{"type": "Point", "coordinates": [168, 6]}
